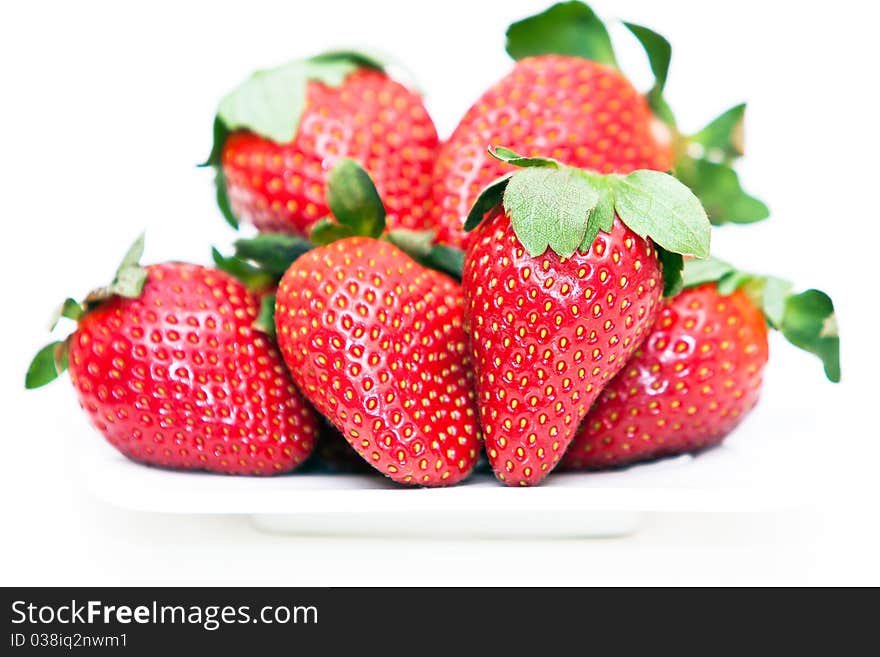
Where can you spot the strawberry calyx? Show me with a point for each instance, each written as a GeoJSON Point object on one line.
{"type": "Point", "coordinates": [419, 245]}
{"type": "Point", "coordinates": [354, 202]}
{"type": "Point", "coordinates": [659, 53]}
{"type": "Point", "coordinates": [259, 262]}
{"type": "Point", "coordinates": [356, 210]}
{"type": "Point", "coordinates": [270, 103]}
{"type": "Point", "coordinates": [254, 277]}
{"type": "Point", "coordinates": [807, 319]}
{"type": "Point", "coordinates": [566, 28]}
{"type": "Point", "coordinates": [564, 208]}
{"type": "Point", "coordinates": [265, 321]}
{"type": "Point", "coordinates": [51, 361]}
{"type": "Point", "coordinates": [704, 160]}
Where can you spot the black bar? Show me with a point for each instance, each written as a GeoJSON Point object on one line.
{"type": "Point", "coordinates": [419, 621]}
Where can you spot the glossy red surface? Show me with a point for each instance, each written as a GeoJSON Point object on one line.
{"type": "Point", "coordinates": [179, 378]}
{"type": "Point", "coordinates": [577, 111]}
{"type": "Point", "coordinates": [547, 333]}
{"type": "Point", "coordinates": [376, 343]}
{"type": "Point", "coordinates": [690, 383]}
{"type": "Point", "coordinates": [371, 118]}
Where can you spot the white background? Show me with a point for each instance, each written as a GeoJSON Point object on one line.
{"type": "Point", "coordinates": [105, 109]}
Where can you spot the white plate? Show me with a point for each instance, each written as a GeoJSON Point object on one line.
{"type": "Point", "coordinates": [742, 475]}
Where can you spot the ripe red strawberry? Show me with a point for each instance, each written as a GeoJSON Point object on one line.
{"type": "Point", "coordinates": [566, 98]}
{"type": "Point", "coordinates": [375, 341]}
{"type": "Point", "coordinates": [280, 132]}
{"type": "Point", "coordinates": [170, 370]}
{"type": "Point", "coordinates": [561, 283]}
{"type": "Point", "coordinates": [699, 372]}
{"type": "Point", "coordinates": [577, 111]}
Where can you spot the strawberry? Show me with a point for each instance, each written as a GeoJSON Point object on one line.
{"type": "Point", "coordinates": [699, 372]}
{"type": "Point", "coordinates": [376, 343]}
{"type": "Point", "coordinates": [170, 370]}
{"type": "Point", "coordinates": [277, 135]}
{"type": "Point", "coordinates": [566, 98]}
{"type": "Point", "coordinates": [561, 283]}
{"type": "Point", "coordinates": [580, 112]}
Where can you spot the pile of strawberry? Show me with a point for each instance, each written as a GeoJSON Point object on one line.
{"type": "Point", "coordinates": [538, 288]}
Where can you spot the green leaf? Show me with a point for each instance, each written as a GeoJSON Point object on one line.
{"type": "Point", "coordinates": [353, 199]}
{"type": "Point", "coordinates": [71, 309]}
{"type": "Point", "coordinates": [447, 259]}
{"type": "Point", "coordinates": [809, 323]}
{"type": "Point", "coordinates": [415, 243]}
{"type": "Point", "coordinates": [564, 208]}
{"type": "Point", "coordinates": [134, 254]}
{"type": "Point", "coordinates": [129, 282]}
{"type": "Point", "coordinates": [223, 199]}
{"type": "Point", "coordinates": [326, 231]}
{"type": "Point", "coordinates": [272, 252]}
{"type": "Point", "coordinates": [504, 154]}
{"type": "Point", "coordinates": [722, 139]}
{"type": "Point", "coordinates": [511, 157]}
{"type": "Point", "coordinates": [705, 270]}
{"type": "Point", "coordinates": [566, 28]}
{"type": "Point", "coordinates": [806, 320]}
{"type": "Point", "coordinates": [672, 265]}
{"type": "Point", "coordinates": [359, 58]}
{"type": "Point", "coordinates": [659, 54]}
{"type": "Point", "coordinates": [550, 207]}
{"type": "Point", "coordinates": [418, 244]}
{"type": "Point", "coordinates": [220, 135]}
{"type": "Point", "coordinates": [658, 50]}
{"type": "Point", "coordinates": [47, 365]}
{"type": "Point", "coordinates": [488, 199]}
{"type": "Point", "coordinates": [662, 110]}
{"type": "Point", "coordinates": [706, 169]}
{"type": "Point", "coordinates": [601, 216]}
{"type": "Point", "coordinates": [265, 321]}
{"type": "Point", "coordinates": [719, 189]}
{"type": "Point", "coordinates": [270, 103]}
{"type": "Point", "coordinates": [130, 276]}
{"type": "Point", "coordinates": [254, 278]}
{"type": "Point", "coordinates": [656, 205]}
{"type": "Point", "coordinates": [735, 280]}
{"type": "Point", "coordinates": [766, 292]}
{"type": "Point", "coordinates": [774, 296]}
